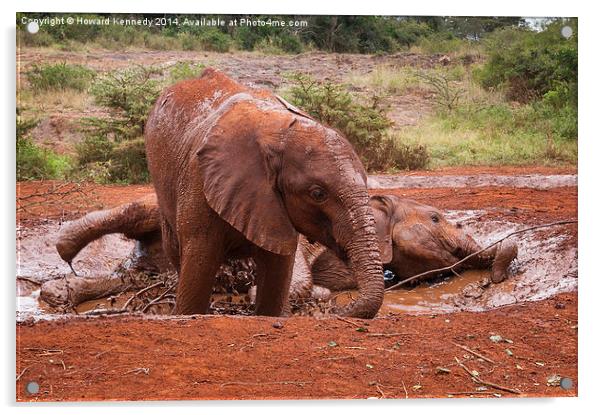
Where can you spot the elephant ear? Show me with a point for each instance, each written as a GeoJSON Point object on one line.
{"type": "Point", "coordinates": [239, 184]}
{"type": "Point", "coordinates": [383, 209]}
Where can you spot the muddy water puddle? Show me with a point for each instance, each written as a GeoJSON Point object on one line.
{"type": "Point", "coordinates": [546, 265]}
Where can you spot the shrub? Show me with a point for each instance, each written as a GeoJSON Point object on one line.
{"type": "Point", "coordinates": [128, 162]}
{"type": "Point", "coordinates": [35, 162]}
{"type": "Point", "coordinates": [214, 40]}
{"type": "Point", "coordinates": [93, 148]}
{"type": "Point", "coordinates": [441, 43]}
{"type": "Point", "coordinates": [185, 70]}
{"type": "Point", "coordinates": [528, 63]}
{"type": "Point", "coordinates": [60, 76]}
{"type": "Point", "coordinates": [365, 126]}
{"type": "Point", "coordinates": [131, 93]}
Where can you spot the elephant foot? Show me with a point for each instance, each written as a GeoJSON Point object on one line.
{"type": "Point", "coordinates": [505, 254]}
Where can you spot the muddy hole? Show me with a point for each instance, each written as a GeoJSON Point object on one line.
{"type": "Point", "coordinates": [546, 265]}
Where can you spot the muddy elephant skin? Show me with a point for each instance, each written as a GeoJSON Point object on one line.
{"type": "Point", "coordinates": [240, 172]}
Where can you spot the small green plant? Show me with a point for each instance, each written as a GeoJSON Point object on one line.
{"type": "Point", "coordinates": [447, 91]}
{"type": "Point", "coordinates": [60, 76]}
{"type": "Point", "coordinates": [185, 70]}
{"type": "Point", "coordinates": [35, 162]}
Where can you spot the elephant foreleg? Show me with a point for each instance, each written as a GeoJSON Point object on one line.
{"type": "Point", "coordinates": [273, 275]}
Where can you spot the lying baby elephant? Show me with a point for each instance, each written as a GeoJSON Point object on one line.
{"type": "Point", "coordinates": [413, 238]}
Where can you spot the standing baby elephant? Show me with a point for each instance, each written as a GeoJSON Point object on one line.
{"type": "Point", "coordinates": [240, 172]}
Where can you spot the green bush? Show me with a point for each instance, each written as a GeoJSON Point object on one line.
{"type": "Point", "coordinates": [185, 70]}
{"type": "Point", "coordinates": [128, 162]}
{"type": "Point", "coordinates": [528, 63]}
{"type": "Point", "coordinates": [93, 148]}
{"type": "Point", "coordinates": [60, 76]}
{"type": "Point", "coordinates": [538, 68]}
{"type": "Point", "coordinates": [365, 126]}
{"type": "Point", "coordinates": [131, 93]}
{"type": "Point", "coordinates": [35, 162]}
{"type": "Point", "coordinates": [441, 43]}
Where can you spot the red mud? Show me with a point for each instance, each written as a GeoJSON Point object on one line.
{"type": "Point", "coordinates": [221, 357]}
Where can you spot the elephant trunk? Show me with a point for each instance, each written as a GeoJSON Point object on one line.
{"type": "Point", "coordinates": [132, 219]}
{"type": "Point", "coordinates": [361, 247]}
{"type": "Point", "coordinates": [498, 257]}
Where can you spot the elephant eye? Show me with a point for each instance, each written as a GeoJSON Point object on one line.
{"type": "Point", "coordinates": [435, 218]}
{"type": "Point", "coordinates": [317, 193]}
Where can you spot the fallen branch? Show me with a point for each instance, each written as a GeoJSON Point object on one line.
{"type": "Point", "coordinates": [158, 299]}
{"type": "Point", "coordinates": [142, 291]}
{"type": "Point", "coordinates": [484, 382]}
{"type": "Point", "coordinates": [480, 356]}
{"type": "Point", "coordinates": [466, 258]}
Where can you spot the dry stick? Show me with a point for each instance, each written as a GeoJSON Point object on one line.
{"type": "Point", "coordinates": [466, 258]}
{"type": "Point", "coordinates": [22, 373]}
{"type": "Point", "coordinates": [380, 391]}
{"type": "Point", "coordinates": [353, 323]}
{"type": "Point", "coordinates": [480, 356]}
{"type": "Point", "coordinates": [142, 291]}
{"type": "Point", "coordinates": [386, 334]}
{"type": "Point", "coordinates": [157, 299]}
{"type": "Point", "coordinates": [483, 382]}
{"type": "Point", "coordinates": [285, 382]}
{"type": "Point", "coordinates": [404, 388]}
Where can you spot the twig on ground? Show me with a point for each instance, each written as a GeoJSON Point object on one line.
{"type": "Point", "coordinates": [158, 299]}
{"type": "Point", "coordinates": [142, 291]}
{"type": "Point", "coordinates": [138, 370]}
{"type": "Point", "coordinates": [338, 358]}
{"type": "Point", "coordinates": [404, 388]}
{"type": "Point", "coordinates": [466, 258]}
{"type": "Point", "coordinates": [471, 393]}
{"type": "Point", "coordinates": [22, 373]}
{"type": "Point", "coordinates": [480, 356]}
{"type": "Point", "coordinates": [484, 382]}
{"type": "Point", "coordinates": [284, 382]}
{"type": "Point", "coordinates": [386, 334]}
{"type": "Point", "coordinates": [353, 323]}
{"type": "Point", "coordinates": [382, 394]}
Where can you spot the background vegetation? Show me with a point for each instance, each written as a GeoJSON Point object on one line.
{"type": "Point", "coordinates": [504, 93]}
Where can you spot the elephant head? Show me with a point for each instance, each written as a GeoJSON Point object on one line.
{"type": "Point", "coordinates": [415, 238]}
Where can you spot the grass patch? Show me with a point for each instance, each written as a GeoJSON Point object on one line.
{"type": "Point", "coordinates": [60, 76]}
{"type": "Point", "coordinates": [496, 135]}
{"type": "Point", "coordinates": [387, 79]}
